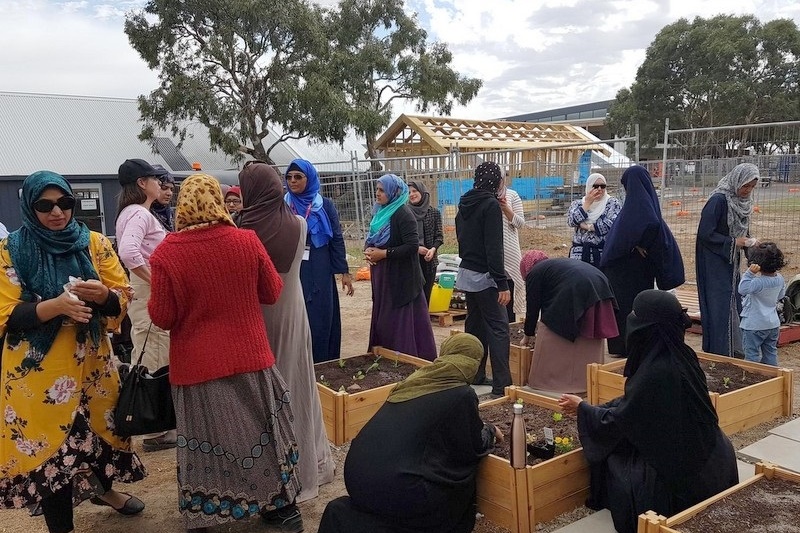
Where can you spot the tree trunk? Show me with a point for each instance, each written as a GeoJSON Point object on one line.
{"type": "Point", "coordinates": [372, 153]}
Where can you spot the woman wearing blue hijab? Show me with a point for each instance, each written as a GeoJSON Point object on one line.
{"type": "Point", "coordinates": [639, 250]}
{"type": "Point", "coordinates": [325, 257]}
{"type": "Point", "coordinates": [62, 289]}
{"type": "Point", "coordinates": [400, 319]}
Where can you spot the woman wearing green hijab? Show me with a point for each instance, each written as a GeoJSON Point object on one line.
{"type": "Point", "coordinates": [62, 289]}
{"type": "Point", "coordinates": [412, 467]}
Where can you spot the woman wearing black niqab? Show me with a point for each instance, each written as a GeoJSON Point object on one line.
{"type": "Point", "coordinates": [659, 446]}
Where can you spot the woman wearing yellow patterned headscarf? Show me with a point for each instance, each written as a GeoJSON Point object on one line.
{"type": "Point", "coordinates": [200, 204]}
{"type": "Point", "coordinates": [215, 374]}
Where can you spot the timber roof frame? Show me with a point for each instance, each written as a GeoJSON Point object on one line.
{"type": "Point", "coordinates": [409, 133]}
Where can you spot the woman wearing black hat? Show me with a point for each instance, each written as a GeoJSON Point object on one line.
{"type": "Point", "coordinates": [138, 233]}
{"type": "Point", "coordinates": [659, 446]}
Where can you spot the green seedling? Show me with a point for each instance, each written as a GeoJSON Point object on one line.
{"type": "Point", "coordinates": [557, 417]}
{"type": "Point", "coordinates": [342, 363]}
{"type": "Point", "coordinates": [373, 366]}
{"type": "Point", "coordinates": [519, 401]}
{"type": "Point", "coordinates": [358, 375]}
{"type": "Point", "coordinates": [726, 381]}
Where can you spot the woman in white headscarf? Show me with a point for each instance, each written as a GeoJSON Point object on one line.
{"type": "Point", "coordinates": [592, 217]}
{"type": "Point", "coordinates": [723, 232]}
{"type": "Point", "coordinates": [513, 221]}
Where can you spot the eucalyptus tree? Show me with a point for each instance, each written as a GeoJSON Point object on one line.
{"type": "Point", "coordinates": [720, 71]}
{"type": "Point", "coordinates": [381, 55]}
{"type": "Point", "coordinates": [238, 67]}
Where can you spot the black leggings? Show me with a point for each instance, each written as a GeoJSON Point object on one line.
{"type": "Point", "coordinates": [57, 508]}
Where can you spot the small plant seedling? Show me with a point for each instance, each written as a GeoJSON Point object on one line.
{"type": "Point", "coordinates": [324, 381]}
{"type": "Point", "coordinates": [373, 366]}
{"type": "Point", "coordinates": [519, 401]}
{"type": "Point", "coordinates": [359, 375]}
{"type": "Point", "coordinates": [342, 363]}
{"type": "Point", "coordinates": [726, 381]}
{"type": "Point", "coordinates": [744, 375]}
{"type": "Point", "coordinates": [342, 389]}
{"type": "Point", "coordinates": [557, 417]}
{"type": "Point", "coordinates": [377, 359]}
{"type": "Point", "coordinates": [396, 363]}
{"type": "Point", "coordinates": [564, 444]}
{"type": "Point", "coordinates": [712, 365]}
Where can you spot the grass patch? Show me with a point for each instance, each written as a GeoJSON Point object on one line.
{"type": "Point", "coordinates": [786, 203]}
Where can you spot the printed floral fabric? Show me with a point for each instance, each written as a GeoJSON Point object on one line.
{"type": "Point", "coordinates": [43, 408]}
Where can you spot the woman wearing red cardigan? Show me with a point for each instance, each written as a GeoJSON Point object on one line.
{"type": "Point", "coordinates": [236, 446]}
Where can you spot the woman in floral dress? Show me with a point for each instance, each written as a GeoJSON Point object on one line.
{"type": "Point", "coordinates": [61, 289]}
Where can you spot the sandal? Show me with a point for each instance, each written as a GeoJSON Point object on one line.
{"type": "Point", "coordinates": [133, 505]}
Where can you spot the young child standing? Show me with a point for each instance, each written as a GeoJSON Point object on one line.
{"type": "Point", "coordinates": [760, 323]}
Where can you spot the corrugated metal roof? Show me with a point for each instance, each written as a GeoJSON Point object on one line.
{"type": "Point", "coordinates": [92, 135]}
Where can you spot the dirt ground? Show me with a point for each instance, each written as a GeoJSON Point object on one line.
{"type": "Point", "coordinates": [159, 489]}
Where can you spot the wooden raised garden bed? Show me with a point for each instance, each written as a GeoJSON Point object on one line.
{"type": "Point", "coordinates": [519, 499]}
{"type": "Point", "coordinates": [345, 413]}
{"type": "Point", "coordinates": [712, 511]}
{"type": "Point", "coordinates": [738, 410]}
{"type": "Point", "coordinates": [519, 359]}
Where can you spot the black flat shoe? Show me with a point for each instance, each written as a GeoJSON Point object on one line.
{"type": "Point", "coordinates": [133, 505]}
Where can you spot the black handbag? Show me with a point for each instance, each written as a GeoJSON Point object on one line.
{"type": "Point", "coordinates": [145, 400]}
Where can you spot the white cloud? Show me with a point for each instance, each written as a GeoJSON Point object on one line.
{"type": "Point", "coordinates": [532, 55]}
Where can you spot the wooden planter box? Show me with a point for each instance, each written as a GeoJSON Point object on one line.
{"type": "Point", "coordinates": [519, 499]}
{"type": "Point", "coordinates": [346, 413]}
{"type": "Point", "coordinates": [651, 522]}
{"type": "Point", "coordinates": [519, 360]}
{"type": "Point", "coordinates": [737, 410]}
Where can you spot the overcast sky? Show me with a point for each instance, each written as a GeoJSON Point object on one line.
{"type": "Point", "coordinates": [532, 54]}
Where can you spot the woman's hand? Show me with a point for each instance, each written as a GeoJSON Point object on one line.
{"type": "Point", "coordinates": [498, 435]}
{"type": "Point", "coordinates": [506, 208]}
{"type": "Point", "coordinates": [90, 291]}
{"type": "Point", "coordinates": [525, 341]}
{"type": "Point", "coordinates": [755, 268]}
{"type": "Point", "coordinates": [71, 306]}
{"type": "Point", "coordinates": [347, 284]}
{"type": "Point", "coordinates": [430, 254]}
{"type": "Point", "coordinates": [373, 255]}
{"type": "Point", "coordinates": [586, 226]}
{"type": "Point", "coordinates": [422, 251]}
{"type": "Point", "coordinates": [569, 403]}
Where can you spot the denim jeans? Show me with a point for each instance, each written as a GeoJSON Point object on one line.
{"type": "Point", "coordinates": [761, 346]}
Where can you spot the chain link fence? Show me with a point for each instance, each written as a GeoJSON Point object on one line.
{"type": "Point", "coordinates": [694, 160]}
{"type": "Point", "coordinates": [545, 188]}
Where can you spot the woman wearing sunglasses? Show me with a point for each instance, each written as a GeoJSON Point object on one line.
{"type": "Point", "coordinates": [62, 289]}
{"type": "Point", "coordinates": [592, 217]}
{"type": "Point", "coordinates": [325, 257]}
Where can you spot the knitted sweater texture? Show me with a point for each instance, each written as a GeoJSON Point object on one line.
{"type": "Point", "coordinates": [207, 289]}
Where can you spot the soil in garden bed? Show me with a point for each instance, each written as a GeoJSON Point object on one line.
{"type": "Point", "coordinates": [725, 377]}
{"type": "Point", "coordinates": [516, 332]}
{"type": "Point", "coordinates": [768, 505]}
{"type": "Point", "coordinates": [536, 418]}
{"type": "Point", "coordinates": [362, 372]}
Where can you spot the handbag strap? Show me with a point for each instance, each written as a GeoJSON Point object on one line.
{"type": "Point", "coordinates": [144, 344]}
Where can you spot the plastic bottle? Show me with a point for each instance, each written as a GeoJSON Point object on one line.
{"type": "Point", "coordinates": [518, 450]}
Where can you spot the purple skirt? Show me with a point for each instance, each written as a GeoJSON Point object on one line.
{"type": "Point", "coordinates": [404, 329]}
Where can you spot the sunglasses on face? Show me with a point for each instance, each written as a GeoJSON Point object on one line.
{"type": "Point", "coordinates": [599, 186]}
{"type": "Point", "coordinates": [65, 203]}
